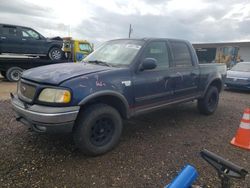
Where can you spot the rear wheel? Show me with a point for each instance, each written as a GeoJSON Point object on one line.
{"type": "Point", "coordinates": [14, 74]}
{"type": "Point", "coordinates": [98, 129]}
{"type": "Point", "coordinates": [55, 53]}
{"type": "Point", "coordinates": [208, 104]}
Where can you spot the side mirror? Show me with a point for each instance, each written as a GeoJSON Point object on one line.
{"type": "Point", "coordinates": [148, 64]}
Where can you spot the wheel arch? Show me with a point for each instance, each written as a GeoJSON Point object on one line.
{"type": "Point", "coordinates": [54, 46]}
{"type": "Point", "coordinates": [216, 82]}
{"type": "Point", "coordinates": [114, 99]}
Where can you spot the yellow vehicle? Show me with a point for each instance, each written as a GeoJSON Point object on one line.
{"type": "Point", "coordinates": [223, 54]}
{"type": "Point", "coordinates": [228, 55]}
{"type": "Point", "coordinates": [76, 50]}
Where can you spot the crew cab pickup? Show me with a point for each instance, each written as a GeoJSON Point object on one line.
{"type": "Point", "coordinates": [121, 79]}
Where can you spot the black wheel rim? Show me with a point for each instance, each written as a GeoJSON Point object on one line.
{"type": "Point", "coordinates": [212, 100]}
{"type": "Point", "coordinates": [102, 131]}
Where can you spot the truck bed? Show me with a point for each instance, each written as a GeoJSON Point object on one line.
{"type": "Point", "coordinates": [209, 71]}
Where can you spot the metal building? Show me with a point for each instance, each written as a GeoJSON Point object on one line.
{"type": "Point", "coordinates": [211, 48]}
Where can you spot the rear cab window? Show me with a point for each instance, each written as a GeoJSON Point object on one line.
{"type": "Point", "coordinates": [181, 54]}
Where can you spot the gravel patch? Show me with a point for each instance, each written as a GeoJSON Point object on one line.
{"type": "Point", "coordinates": [153, 148]}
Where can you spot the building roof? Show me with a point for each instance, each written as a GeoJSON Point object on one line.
{"type": "Point", "coordinates": [220, 44]}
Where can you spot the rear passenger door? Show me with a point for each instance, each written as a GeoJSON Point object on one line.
{"type": "Point", "coordinates": [186, 72]}
{"type": "Point", "coordinates": [10, 41]}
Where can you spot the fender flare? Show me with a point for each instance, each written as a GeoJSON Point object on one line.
{"type": "Point", "coordinates": [215, 78]}
{"type": "Point", "coordinates": [107, 93]}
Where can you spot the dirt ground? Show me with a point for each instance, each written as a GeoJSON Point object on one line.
{"type": "Point", "coordinates": [5, 88]}
{"type": "Point", "coordinates": [153, 148]}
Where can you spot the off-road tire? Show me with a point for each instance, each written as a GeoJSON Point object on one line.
{"type": "Point", "coordinates": [98, 129]}
{"type": "Point", "coordinates": [14, 74]}
{"type": "Point", "coordinates": [208, 104]}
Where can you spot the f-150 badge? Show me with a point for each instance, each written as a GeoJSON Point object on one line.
{"type": "Point", "coordinates": [126, 83]}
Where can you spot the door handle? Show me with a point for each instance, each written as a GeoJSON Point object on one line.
{"type": "Point", "coordinates": [180, 75]}
{"type": "Point", "coordinates": [24, 39]}
{"type": "Point", "coordinates": [3, 38]}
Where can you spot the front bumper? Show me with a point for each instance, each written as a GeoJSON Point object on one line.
{"type": "Point", "coordinates": [237, 83]}
{"type": "Point", "coordinates": [44, 118]}
{"type": "Point", "coordinates": [237, 86]}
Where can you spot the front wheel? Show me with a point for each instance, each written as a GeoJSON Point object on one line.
{"type": "Point", "coordinates": [208, 104]}
{"type": "Point", "coordinates": [14, 74]}
{"type": "Point", "coordinates": [97, 129]}
{"type": "Point", "coordinates": [55, 53]}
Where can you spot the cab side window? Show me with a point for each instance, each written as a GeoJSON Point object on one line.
{"type": "Point", "coordinates": [29, 33]}
{"type": "Point", "coordinates": [9, 31]}
{"type": "Point", "coordinates": [181, 54]}
{"type": "Point", "coordinates": [158, 50]}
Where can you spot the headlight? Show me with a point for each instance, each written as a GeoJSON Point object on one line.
{"type": "Point", "coordinates": [55, 95]}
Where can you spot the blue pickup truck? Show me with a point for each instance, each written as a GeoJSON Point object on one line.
{"type": "Point", "coordinates": [121, 79]}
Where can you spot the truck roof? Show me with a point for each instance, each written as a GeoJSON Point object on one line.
{"type": "Point", "coordinates": [151, 38]}
{"type": "Point", "coordinates": [12, 25]}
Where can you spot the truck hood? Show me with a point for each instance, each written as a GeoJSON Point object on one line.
{"type": "Point", "coordinates": [55, 38]}
{"type": "Point", "coordinates": [57, 73]}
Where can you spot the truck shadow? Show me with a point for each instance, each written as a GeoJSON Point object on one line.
{"type": "Point", "coordinates": [167, 121]}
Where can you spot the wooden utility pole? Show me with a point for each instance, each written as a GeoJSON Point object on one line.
{"type": "Point", "coordinates": [130, 31]}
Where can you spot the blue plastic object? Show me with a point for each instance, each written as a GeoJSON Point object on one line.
{"type": "Point", "coordinates": [79, 56]}
{"type": "Point", "coordinates": [185, 178]}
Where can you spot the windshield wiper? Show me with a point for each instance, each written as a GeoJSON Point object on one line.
{"type": "Point", "coordinates": [100, 63]}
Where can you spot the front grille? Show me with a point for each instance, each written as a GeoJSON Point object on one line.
{"type": "Point", "coordinates": [26, 91]}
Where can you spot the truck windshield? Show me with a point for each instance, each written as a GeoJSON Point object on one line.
{"type": "Point", "coordinates": [115, 53]}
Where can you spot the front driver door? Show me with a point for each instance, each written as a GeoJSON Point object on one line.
{"type": "Point", "coordinates": [152, 87]}
{"type": "Point", "coordinates": [32, 42]}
